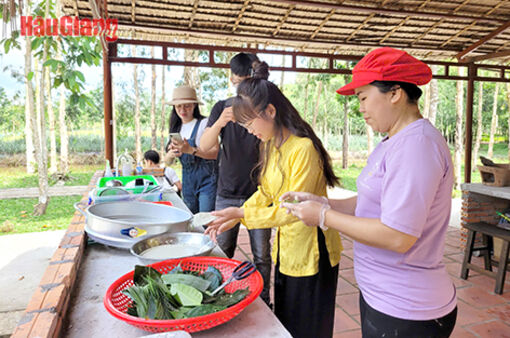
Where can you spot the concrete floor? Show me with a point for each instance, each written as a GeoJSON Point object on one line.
{"type": "Point", "coordinates": [23, 260]}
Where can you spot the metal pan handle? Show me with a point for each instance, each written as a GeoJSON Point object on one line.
{"type": "Point", "coordinates": [78, 206]}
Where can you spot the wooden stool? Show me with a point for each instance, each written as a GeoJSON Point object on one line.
{"type": "Point", "coordinates": [488, 231]}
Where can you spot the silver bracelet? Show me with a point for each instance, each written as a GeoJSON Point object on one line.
{"type": "Point", "coordinates": [322, 216]}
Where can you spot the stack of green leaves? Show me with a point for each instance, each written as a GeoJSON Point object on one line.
{"type": "Point", "coordinates": [178, 294]}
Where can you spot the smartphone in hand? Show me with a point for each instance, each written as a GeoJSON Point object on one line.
{"type": "Point", "coordinates": [176, 136]}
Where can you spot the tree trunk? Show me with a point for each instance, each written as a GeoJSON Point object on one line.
{"type": "Point", "coordinates": [326, 133]}
{"type": "Point", "coordinates": [37, 81]}
{"type": "Point", "coordinates": [345, 143]}
{"type": "Point", "coordinates": [163, 118]}
{"type": "Point", "coordinates": [434, 100]}
{"type": "Point", "coordinates": [370, 140]}
{"type": "Point", "coordinates": [29, 137]}
{"type": "Point", "coordinates": [114, 127]}
{"type": "Point", "coordinates": [305, 108]}
{"type": "Point", "coordinates": [494, 121]}
{"type": "Point", "coordinates": [458, 131]}
{"type": "Point", "coordinates": [138, 129]}
{"type": "Point", "coordinates": [316, 110]}
{"type": "Point", "coordinates": [478, 139]}
{"type": "Point", "coordinates": [42, 160]}
{"type": "Point", "coordinates": [51, 121]}
{"type": "Point", "coordinates": [426, 103]}
{"type": "Point", "coordinates": [508, 100]}
{"type": "Point", "coordinates": [282, 78]}
{"type": "Point", "coordinates": [189, 55]}
{"type": "Point", "coordinates": [64, 137]}
{"type": "Point", "coordinates": [30, 120]}
{"type": "Point", "coordinates": [153, 104]}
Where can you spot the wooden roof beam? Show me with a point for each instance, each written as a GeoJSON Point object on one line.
{"type": "Point", "coordinates": [379, 10]}
{"type": "Point", "coordinates": [133, 11]}
{"type": "Point", "coordinates": [477, 44]}
{"type": "Point", "coordinates": [394, 29]}
{"type": "Point", "coordinates": [503, 47]}
{"type": "Point", "coordinates": [326, 19]}
{"type": "Point", "coordinates": [276, 39]}
{"type": "Point", "coordinates": [240, 15]}
{"type": "Point", "coordinates": [282, 21]}
{"type": "Point", "coordinates": [193, 13]}
{"type": "Point", "coordinates": [487, 56]}
{"type": "Point", "coordinates": [402, 22]}
{"type": "Point", "coordinates": [363, 24]}
{"type": "Point", "coordinates": [472, 23]}
{"type": "Point", "coordinates": [75, 7]}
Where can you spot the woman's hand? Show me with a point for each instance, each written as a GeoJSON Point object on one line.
{"type": "Point", "coordinates": [225, 220]}
{"type": "Point", "coordinates": [308, 211]}
{"type": "Point", "coordinates": [181, 147]}
{"type": "Point", "coordinates": [172, 152]}
{"type": "Point", "coordinates": [302, 196]}
{"type": "Point", "coordinates": [227, 115]}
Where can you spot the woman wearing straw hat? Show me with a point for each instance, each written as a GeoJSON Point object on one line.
{"type": "Point", "coordinates": [400, 217]}
{"type": "Point", "coordinates": [199, 168]}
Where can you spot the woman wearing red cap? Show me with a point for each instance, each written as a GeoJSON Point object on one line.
{"type": "Point", "coordinates": [400, 217]}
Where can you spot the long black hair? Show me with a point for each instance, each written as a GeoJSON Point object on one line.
{"type": "Point", "coordinates": [176, 121]}
{"type": "Point", "coordinates": [253, 97]}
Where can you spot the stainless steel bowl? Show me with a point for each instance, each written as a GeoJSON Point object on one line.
{"type": "Point", "coordinates": [203, 244]}
{"type": "Point", "coordinates": [108, 223]}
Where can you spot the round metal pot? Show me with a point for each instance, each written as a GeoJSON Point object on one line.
{"type": "Point", "coordinates": [120, 224]}
{"type": "Point", "coordinates": [202, 243]}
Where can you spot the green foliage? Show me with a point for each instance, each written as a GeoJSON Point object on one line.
{"type": "Point", "coordinates": [75, 52]}
{"type": "Point", "coordinates": [12, 115]}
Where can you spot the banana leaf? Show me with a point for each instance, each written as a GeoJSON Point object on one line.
{"type": "Point", "coordinates": [213, 275]}
{"type": "Point", "coordinates": [186, 295]}
{"type": "Point", "coordinates": [198, 283]}
{"type": "Point", "coordinates": [227, 299]}
{"type": "Point", "coordinates": [203, 310]}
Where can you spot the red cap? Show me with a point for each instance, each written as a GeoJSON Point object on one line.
{"type": "Point", "coordinates": [387, 64]}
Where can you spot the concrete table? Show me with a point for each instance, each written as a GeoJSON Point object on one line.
{"type": "Point", "coordinates": [102, 265]}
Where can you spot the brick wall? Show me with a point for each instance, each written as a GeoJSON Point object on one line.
{"type": "Point", "coordinates": [479, 208]}
{"type": "Point", "coordinates": [47, 308]}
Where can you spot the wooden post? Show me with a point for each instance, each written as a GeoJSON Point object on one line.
{"type": "Point", "coordinates": [469, 122]}
{"type": "Point", "coordinates": [108, 107]}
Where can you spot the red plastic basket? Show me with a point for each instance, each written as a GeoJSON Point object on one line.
{"type": "Point", "coordinates": [116, 302]}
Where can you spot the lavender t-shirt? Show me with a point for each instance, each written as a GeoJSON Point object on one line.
{"type": "Point", "coordinates": [407, 184]}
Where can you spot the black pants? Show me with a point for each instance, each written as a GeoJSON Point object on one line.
{"type": "Point", "coordinates": [378, 324]}
{"type": "Point", "coordinates": [306, 305]}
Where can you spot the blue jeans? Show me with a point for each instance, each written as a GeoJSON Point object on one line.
{"type": "Point", "coordinates": [259, 242]}
{"type": "Point", "coordinates": [199, 186]}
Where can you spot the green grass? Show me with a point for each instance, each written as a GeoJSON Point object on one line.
{"type": "Point", "coordinates": [349, 175]}
{"type": "Point", "coordinates": [15, 177]}
{"type": "Point", "coordinates": [18, 214]}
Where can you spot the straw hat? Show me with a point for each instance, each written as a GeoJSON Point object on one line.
{"type": "Point", "coordinates": [184, 94]}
